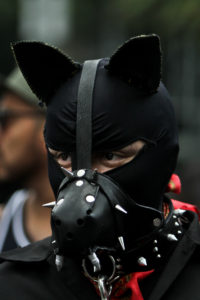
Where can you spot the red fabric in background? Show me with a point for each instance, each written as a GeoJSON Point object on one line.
{"type": "Point", "coordinates": [185, 206]}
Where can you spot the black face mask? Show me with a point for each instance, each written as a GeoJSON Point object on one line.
{"type": "Point", "coordinates": [128, 104]}
{"type": "Point", "coordinates": [121, 115]}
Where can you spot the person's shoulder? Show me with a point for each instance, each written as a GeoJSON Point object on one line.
{"type": "Point", "coordinates": [30, 273]}
{"type": "Point", "coordinates": [23, 270]}
{"type": "Point", "coordinates": [35, 252]}
{"type": "Point", "coordinates": [179, 278]}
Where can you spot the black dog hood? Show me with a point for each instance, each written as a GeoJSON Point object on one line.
{"type": "Point", "coordinates": [105, 105]}
{"type": "Point", "coordinates": [129, 103]}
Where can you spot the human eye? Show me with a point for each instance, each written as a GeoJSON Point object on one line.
{"type": "Point", "coordinates": [110, 156]}
{"type": "Point", "coordinates": [62, 158]}
{"type": "Point", "coordinates": [112, 159]}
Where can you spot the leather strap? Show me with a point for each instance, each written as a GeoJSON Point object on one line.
{"type": "Point", "coordinates": [84, 115]}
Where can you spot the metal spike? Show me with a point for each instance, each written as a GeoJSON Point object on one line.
{"type": "Point", "coordinates": [50, 204]}
{"type": "Point", "coordinates": [95, 262]}
{"type": "Point", "coordinates": [67, 173]}
{"type": "Point", "coordinates": [171, 237]}
{"type": "Point", "coordinates": [59, 262]}
{"type": "Point", "coordinates": [142, 261]}
{"type": "Point", "coordinates": [60, 201]}
{"type": "Point", "coordinates": [117, 206]}
{"type": "Point", "coordinates": [121, 241]}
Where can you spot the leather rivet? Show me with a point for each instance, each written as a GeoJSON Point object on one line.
{"type": "Point", "coordinates": [90, 198]}
{"type": "Point", "coordinates": [79, 183]}
{"type": "Point", "coordinates": [80, 173]}
{"type": "Point", "coordinates": [157, 222]}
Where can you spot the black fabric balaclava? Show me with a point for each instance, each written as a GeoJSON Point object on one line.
{"type": "Point", "coordinates": [129, 103]}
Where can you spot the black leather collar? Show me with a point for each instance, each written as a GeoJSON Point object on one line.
{"type": "Point", "coordinates": [41, 250]}
{"type": "Point", "coordinates": [155, 253]}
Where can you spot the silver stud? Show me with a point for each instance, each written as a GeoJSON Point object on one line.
{"type": "Point", "coordinates": [60, 202]}
{"type": "Point", "coordinates": [176, 224]}
{"type": "Point", "coordinates": [118, 267]}
{"type": "Point", "coordinates": [158, 256]}
{"type": "Point", "coordinates": [155, 249]}
{"type": "Point", "coordinates": [121, 241]}
{"type": "Point", "coordinates": [79, 183]}
{"type": "Point", "coordinates": [90, 198]}
{"type": "Point", "coordinates": [179, 232]}
{"type": "Point", "coordinates": [155, 242]}
{"type": "Point", "coordinates": [53, 242]}
{"type": "Point", "coordinates": [50, 204]}
{"type": "Point", "coordinates": [81, 173]}
{"type": "Point", "coordinates": [59, 262]}
{"type": "Point", "coordinates": [118, 259]}
{"type": "Point", "coordinates": [175, 217]}
{"type": "Point", "coordinates": [157, 222]}
{"type": "Point", "coordinates": [67, 173]}
{"type": "Point", "coordinates": [142, 261]}
{"type": "Point", "coordinates": [171, 237]}
{"type": "Point", "coordinates": [117, 206]}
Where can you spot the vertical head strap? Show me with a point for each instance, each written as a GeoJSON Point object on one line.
{"type": "Point", "coordinates": [84, 115]}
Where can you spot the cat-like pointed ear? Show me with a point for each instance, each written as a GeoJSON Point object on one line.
{"type": "Point", "coordinates": [138, 61]}
{"type": "Point", "coordinates": [44, 67]}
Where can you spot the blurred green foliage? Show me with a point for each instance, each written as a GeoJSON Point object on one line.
{"type": "Point", "coordinates": [98, 25]}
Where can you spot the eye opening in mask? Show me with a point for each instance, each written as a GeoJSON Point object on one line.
{"type": "Point", "coordinates": [103, 161]}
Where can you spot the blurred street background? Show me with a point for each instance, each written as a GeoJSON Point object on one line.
{"type": "Point", "coordinates": [91, 29]}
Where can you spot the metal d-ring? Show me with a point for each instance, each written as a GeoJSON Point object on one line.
{"type": "Point", "coordinates": [97, 278]}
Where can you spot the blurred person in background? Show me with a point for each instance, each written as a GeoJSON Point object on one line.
{"type": "Point", "coordinates": [6, 188]}
{"type": "Point", "coordinates": [23, 164]}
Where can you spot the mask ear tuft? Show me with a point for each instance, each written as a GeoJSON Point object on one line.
{"type": "Point", "coordinates": [138, 61]}
{"type": "Point", "coordinates": [44, 67]}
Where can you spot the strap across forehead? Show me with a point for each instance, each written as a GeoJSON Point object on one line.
{"type": "Point", "coordinates": [84, 115]}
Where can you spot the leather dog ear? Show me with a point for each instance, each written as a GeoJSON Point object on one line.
{"type": "Point", "coordinates": [138, 61]}
{"type": "Point", "coordinates": [44, 67]}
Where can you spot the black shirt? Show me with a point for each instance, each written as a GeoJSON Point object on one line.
{"type": "Point", "coordinates": [30, 273]}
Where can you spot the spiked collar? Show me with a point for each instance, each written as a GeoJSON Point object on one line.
{"type": "Point", "coordinates": [151, 255]}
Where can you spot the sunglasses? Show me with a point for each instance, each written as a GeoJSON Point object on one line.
{"type": "Point", "coordinates": [7, 115]}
